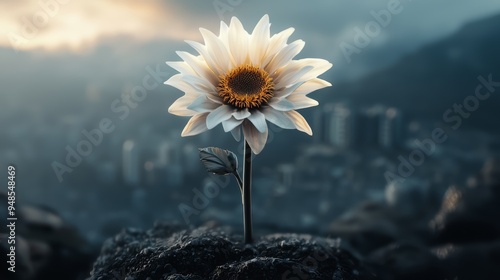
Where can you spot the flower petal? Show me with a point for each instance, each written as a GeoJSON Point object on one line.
{"type": "Point", "coordinates": [218, 50]}
{"type": "Point", "coordinates": [241, 114]}
{"type": "Point", "coordinates": [259, 121]}
{"type": "Point", "coordinates": [202, 50]}
{"type": "Point", "coordinates": [301, 101]}
{"type": "Point", "coordinates": [214, 98]}
{"type": "Point", "coordinates": [285, 56]}
{"type": "Point", "coordinates": [224, 33]}
{"type": "Point", "coordinates": [199, 84]}
{"type": "Point", "coordinates": [236, 133]}
{"type": "Point", "coordinates": [281, 104]}
{"type": "Point", "coordinates": [231, 124]}
{"type": "Point", "coordinates": [292, 77]}
{"type": "Point", "coordinates": [312, 85]}
{"type": "Point", "coordinates": [181, 67]}
{"type": "Point", "coordinates": [238, 41]}
{"type": "Point", "coordinates": [254, 138]}
{"type": "Point", "coordinates": [320, 67]}
{"type": "Point", "coordinates": [199, 66]}
{"type": "Point", "coordinates": [299, 121]}
{"type": "Point", "coordinates": [259, 40]}
{"type": "Point", "coordinates": [219, 115]}
{"type": "Point", "coordinates": [195, 125]}
{"type": "Point", "coordinates": [276, 43]}
{"type": "Point", "coordinates": [179, 107]}
{"type": "Point", "coordinates": [177, 82]}
{"type": "Point", "coordinates": [202, 104]}
{"type": "Point", "coordinates": [282, 93]}
{"type": "Point", "coordinates": [278, 118]}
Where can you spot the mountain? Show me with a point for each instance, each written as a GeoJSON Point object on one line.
{"type": "Point", "coordinates": [428, 82]}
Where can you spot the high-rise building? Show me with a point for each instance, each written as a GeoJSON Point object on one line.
{"type": "Point", "coordinates": [367, 126]}
{"type": "Point", "coordinates": [390, 129]}
{"type": "Point", "coordinates": [190, 159]}
{"type": "Point", "coordinates": [286, 174]}
{"type": "Point", "coordinates": [318, 125]}
{"type": "Point", "coordinates": [170, 169]}
{"type": "Point", "coordinates": [339, 125]}
{"type": "Point", "coordinates": [150, 176]}
{"type": "Point", "coordinates": [168, 154]}
{"type": "Point", "coordinates": [106, 172]}
{"type": "Point", "coordinates": [131, 166]}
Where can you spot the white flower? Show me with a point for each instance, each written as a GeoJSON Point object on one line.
{"type": "Point", "coordinates": [243, 80]}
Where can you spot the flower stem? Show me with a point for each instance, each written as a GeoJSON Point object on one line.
{"type": "Point", "coordinates": [240, 182]}
{"type": "Point", "coordinates": [247, 193]}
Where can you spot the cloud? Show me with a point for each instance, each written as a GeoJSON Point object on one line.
{"type": "Point", "coordinates": [323, 24]}
{"type": "Point", "coordinates": [56, 24]}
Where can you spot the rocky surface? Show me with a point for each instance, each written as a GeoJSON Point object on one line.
{"type": "Point", "coordinates": [460, 240]}
{"type": "Point", "coordinates": [47, 246]}
{"type": "Point", "coordinates": [170, 252]}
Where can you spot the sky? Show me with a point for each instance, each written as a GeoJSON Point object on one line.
{"type": "Point", "coordinates": [56, 53]}
{"type": "Point", "coordinates": [80, 26]}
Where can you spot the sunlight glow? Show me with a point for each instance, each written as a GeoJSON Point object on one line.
{"type": "Point", "coordinates": [76, 25]}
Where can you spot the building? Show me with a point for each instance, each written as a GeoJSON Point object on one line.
{"type": "Point", "coordinates": [390, 134]}
{"type": "Point", "coordinates": [131, 166]}
{"type": "Point", "coordinates": [168, 154]}
{"type": "Point", "coordinates": [368, 127]}
{"type": "Point", "coordinates": [169, 167]}
{"type": "Point", "coordinates": [339, 125]}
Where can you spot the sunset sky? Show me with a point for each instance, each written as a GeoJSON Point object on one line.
{"type": "Point", "coordinates": [50, 28]}
{"type": "Point", "coordinates": [77, 25]}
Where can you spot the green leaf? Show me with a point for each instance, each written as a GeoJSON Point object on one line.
{"type": "Point", "coordinates": [218, 161]}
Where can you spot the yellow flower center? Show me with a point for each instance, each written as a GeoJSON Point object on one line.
{"type": "Point", "coordinates": [246, 86]}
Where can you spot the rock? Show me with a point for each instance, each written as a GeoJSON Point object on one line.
{"type": "Point", "coordinates": [490, 174]}
{"type": "Point", "coordinates": [264, 268]}
{"type": "Point", "coordinates": [47, 246]}
{"type": "Point", "coordinates": [415, 262]}
{"type": "Point", "coordinates": [170, 252]}
{"type": "Point", "coordinates": [470, 214]}
{"type": "Point", "coordinates": [470, 261]}
{"type": "Point", "coordinates": [366, 227]}
{"type": "Point", "coordinates": [408, 261]}
{"type": "Point", "coordinates": [467, 215]}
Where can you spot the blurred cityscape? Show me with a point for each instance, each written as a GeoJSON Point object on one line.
{"type": "Point", "coordinates": [135, 177]}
